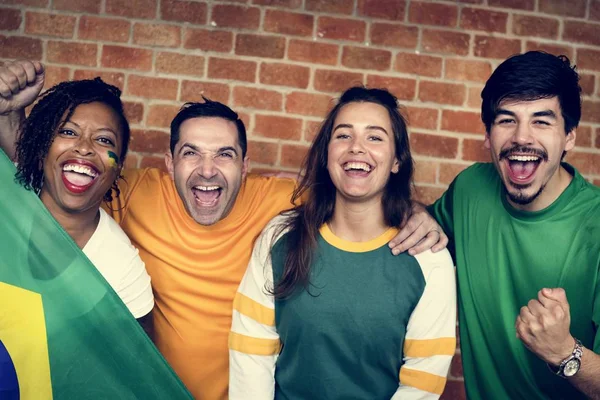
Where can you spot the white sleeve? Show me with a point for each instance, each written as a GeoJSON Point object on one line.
{"type": "Point", "coordinates": [430, 339]}
{"type": "Point", "coordinates": [253, 341]}
{"type": "Point", "coordinates": [135, 289]}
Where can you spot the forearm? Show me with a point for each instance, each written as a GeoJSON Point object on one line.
{"type": "Point", "coordinates": [10, 125]}
{"type": "Point", "coordinates": [587, 380]}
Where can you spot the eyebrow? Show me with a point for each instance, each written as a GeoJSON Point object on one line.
{"type": "Point", "coordinates": [197, 149]}
{"type": "Point", "coordinates": [368, 127]}
{"type": "Point", "coordinates": [104, 128]}
{"type": "Point", "coordinates": [544, 113]}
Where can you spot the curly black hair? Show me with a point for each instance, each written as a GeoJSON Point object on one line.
{"type": "Point", "coordinates": [54, 108]}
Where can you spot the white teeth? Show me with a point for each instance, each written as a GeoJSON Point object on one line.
{"type": "Point", "coordinates": [80, 169]}
{"type": "Point", "coordinates": [523, 158]}
{"type": "Point", "coordinates": [357, 165]}
{"type": "Point", "coordinates": [206, 188]}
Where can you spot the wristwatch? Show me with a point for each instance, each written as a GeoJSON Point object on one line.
{"type": "Point", "coordinates": [570, 365]}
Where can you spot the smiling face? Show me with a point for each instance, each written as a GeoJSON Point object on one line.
{"type": "Point", "coordinates": [78, 169]}
{"type": "Point", "coordinates": [207, 167]}
{"type": "Point", "coordinates": [361, 152]}
{"type": "Point", "coordinates": [527, 140]}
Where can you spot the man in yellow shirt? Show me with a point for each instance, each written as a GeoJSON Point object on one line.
{"type": "Point", "coordinates": [194, 227]}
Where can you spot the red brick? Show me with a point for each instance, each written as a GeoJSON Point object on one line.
{"type": "Point", "coordinates": [471, 1]}
{"type": "Point", "coordinates": [82, 6]}
{"type": "Point", "coordinates": [584, 136]}
{"type": "Point", "coordinates": [308, 104]}
{"type": "Point", "coordinates": [55, 75]}
{"type": "Point", "coordinates": [278, 3]}
{"type": "Point", "coordinates": [462, 121]}
{"type": "Point", "coordinates": [424, 118]}
{"type": "Point", "coordinates": [284, 75]}
{"type": "Point", "coordinates": [455, 390]}
{"type": "Point", "coordinates": [312, 52]}
{"type": "Point", "coordinates": [425, 171]}
{"type": "Point", "coordinates": [161, 115]}
{"type": "Point", "coordinates": [311, 130]}
{"type": "Point", "coordinates": [582, 32]}
{"type": "Point", "coordinates": [394, 35]}
{"type": "Point", "coordinates": [132, 8]}
{"type": "Point", "coordinates": [194, 90]}
{"type": "Point", "coordinates": [464, 70]}
{"type": "Point", "coordinates": [126, 58]}
{"type": "Point", "coordinates": [598, 138]}
{"type": "Point", "coordinates": [474, 97]}
{"type": "Point", "coordinates": [30, 3]}
{"type": "Point", "coordinates": [434, 145]}
{"type": "Point", "coordinates": [411, 63]}
{"type": "Point", "coordinates": [335, 81]}
{"type": "Point", "coordinates": [588, 59]}
{"type": "Point", "coordinates": [493, 47]}
{"type": "Point", "coordinates": [103, 29]}
{"type": "Point", "coordinates": [149, 141]}
{"type": "Point", "coordinates": [72, 53]}
{"type": "Point", "coordinates": [292, 155]}
{"type": "Point", "coordinates": [49, 24]}
{"type": "Point", "coordinates": [449, 171]}
{"type": "Point", "coordinates": [570, 8]}
{"type": "Point", "coordinates": [330, 6]}
{"type": "Point", "coordinates": [260, 46]}
{"type": "Point", "coordinates": [156, 35]}
{"type": "Point", "coordinates": [153, 88]}
{"type": "Point", "coordinates": [208, 40]}
{"type": "Point", "coordinates": [445, 42]}
{"type": "Point", "coordinates": [134, 111]}
{"type": "Point", "coordinates": [442, 93]}
{"type": "Point", "coordinates": [341, 29]}
{"type": "Point", "coordinates": [587, 83]}
{"type": "Point", "coordinates": [432, 14]}
{"type": "Point", "coordinates": [179, 64]}
{"type": "Point", "coordinates": [114, 78]}
{"type": "Point", "coordinates": [183, 11]}
{"type": "Point", "coordinates": [257, 98]}
{"type": "Point", "coordinates": [288, 23]}
{"type": "Point", "coordinates": [278, 127]}
{"type": "Point", "coordinates": [590, 111]}
{"type": "Point", "coordinates": [515, 4]}
{"type": "Point", "coordinates": [386, 9]}
{"type": "Point", "coordinates": [20, 47]}
{"type": "Point", "coordinates": [595, 10]}
{"type": "Point", "coordinates": [550, 48]}
{"type": "Point", "coordinates": [233, 16]}
{"type": "Point", "coordinates": [483, 20]}
{"type": "Point", "coordinates": [131, 161]}
{"type": "Point", "coordinates": [586, 163]}
{"type": "Point", "coordinates": [10, 19]}
{"type": "Point", "coordinates": [427, 195]}
{"type": "Point", "coordinates": [153, 162]}
{"type": "Point", "coordinates": [262, 152]}
{"type": "Point", "coordinates": [527, 25]}
{"type": "Point", "coordinates": [402, 88]}
{"type": "Point", "coordinates": [366, 58]}
{"type": "Point", "coordinates": [473, 150]}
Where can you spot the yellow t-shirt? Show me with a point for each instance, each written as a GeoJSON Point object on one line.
{"type": "Point", "coordinates": [195, 269]}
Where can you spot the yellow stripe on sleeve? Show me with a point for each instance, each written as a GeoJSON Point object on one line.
{"type": "Point", "coordinates": [251, 345]}
{"type": "Point", "coordinates": [429, 347]}
{"type": "Point", "coordinates": [253, 309]}
{"type": "Point", "coordinates": [422, 380]}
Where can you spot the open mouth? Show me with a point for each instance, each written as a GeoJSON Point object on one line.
{"type": "Point", "coordinates": [79, 177]}
{"type": "Point", "coordinates": [522, 167]}
{"type": "Point", "coordinates": [356, 168]}
{"type": "Point", "coordinates": [207, 195]}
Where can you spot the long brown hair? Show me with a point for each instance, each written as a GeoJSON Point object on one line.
{"type": "Point", "coordinates": [303, 226]}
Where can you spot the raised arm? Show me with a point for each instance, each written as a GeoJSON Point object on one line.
{"type": "Point", "coordinates": [20, 84]}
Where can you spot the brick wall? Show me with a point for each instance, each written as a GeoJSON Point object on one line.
{"type": "Point", "coordinates": [280, 63]}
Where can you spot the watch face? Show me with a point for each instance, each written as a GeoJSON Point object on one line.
{"type": "Point", "coordinates": [571, 367]}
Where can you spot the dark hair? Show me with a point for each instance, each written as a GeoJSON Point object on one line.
{"type": "Point", "coordinates": [532, 76]}
{"type": "Point", "coordinates": [208, 109]}
{"type": "Point", "coordinates": [319, 203]}
{"type": "Point", "coordinates": [54, 108]}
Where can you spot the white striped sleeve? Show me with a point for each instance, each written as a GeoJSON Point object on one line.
{"type": "Point", "coordinates": [430, 339]}
{"type": "Point", "coordinates": [253, 341]}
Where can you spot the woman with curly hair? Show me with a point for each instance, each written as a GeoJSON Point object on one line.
{"type": "Point", "coordinates": [325, 311]}
{"type": "Point", "coordinates": [70, 152]}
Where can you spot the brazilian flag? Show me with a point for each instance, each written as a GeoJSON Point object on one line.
{"type": "Point", "coordinates": [64, 333]}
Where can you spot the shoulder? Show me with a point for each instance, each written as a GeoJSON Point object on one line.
{"type": "Point", "coordinates": [270, 186]}
{"type": "Point", "coordinates": [277, 227]}
{"type": "Point", "coordinates": [430, 261]}
{"type": "Point", "coordinates": [112, 232]}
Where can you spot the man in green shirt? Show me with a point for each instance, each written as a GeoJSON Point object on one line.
{"type": "Point", "coordinates": [525, 231]}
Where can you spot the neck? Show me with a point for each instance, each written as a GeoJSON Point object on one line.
{"type": "Point", "coordinates": [358, 222]}
{"type": "Point", "coordinates": [552, 191]}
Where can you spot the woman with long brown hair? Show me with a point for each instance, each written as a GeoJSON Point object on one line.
{"type": "Point", "coordinates": [325, 311]}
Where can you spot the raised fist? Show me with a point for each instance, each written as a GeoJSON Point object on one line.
{"type": "Point", "coordinates": [20, 84]}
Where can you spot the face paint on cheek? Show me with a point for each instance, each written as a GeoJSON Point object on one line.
{"type": "Point", "coordinates": [113, 160]}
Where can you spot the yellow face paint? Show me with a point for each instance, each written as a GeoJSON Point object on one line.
{"type": "Point", "coordinates": [113, 159]}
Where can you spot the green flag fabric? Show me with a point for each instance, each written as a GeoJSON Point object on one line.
{"type": "Point", "coordinates": [64, 333]}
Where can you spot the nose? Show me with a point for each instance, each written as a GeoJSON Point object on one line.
{"type": "Point", "coordinates": [356, 146]}
{"type": "Point", "coordinates": [84, 146]}
{"type": "Point", "coordinates": [207, 169]}
{"type": "Point", "coordinates": [522, 134]}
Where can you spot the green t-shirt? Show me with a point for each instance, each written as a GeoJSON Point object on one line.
{"type": "Point", "coordinates": [504, 256]}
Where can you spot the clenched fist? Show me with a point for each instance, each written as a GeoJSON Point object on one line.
{"type": "Point", "coordinates": [20, 84]}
